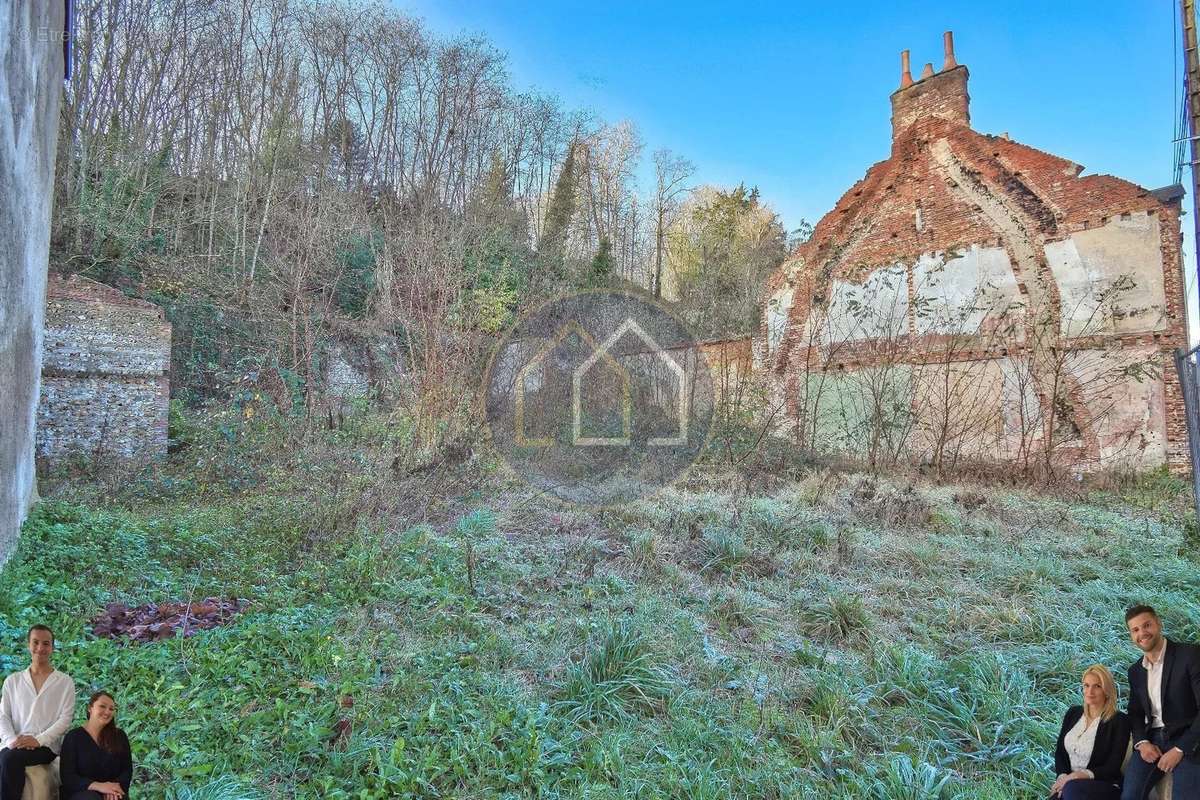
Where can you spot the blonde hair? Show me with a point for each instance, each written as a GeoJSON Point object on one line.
{"type": "Point", "coordinates": [1108, 686]}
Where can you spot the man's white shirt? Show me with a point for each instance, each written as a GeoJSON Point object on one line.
{"type": "Point", "coordinates": [1154, 671]}
{"type": "Point", "coordinates": [1153, 664]}
{"type": "Point", "coordinates": [44, 715]}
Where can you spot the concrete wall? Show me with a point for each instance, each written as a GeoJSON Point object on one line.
{"type": "Point", "coordinates": [104, 375]}
{"type": "Point", "coordinates": [30, 87]}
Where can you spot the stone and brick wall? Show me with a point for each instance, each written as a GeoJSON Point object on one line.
{"type": "Point", "coordinates": [104, 375]}
{"type": "Point", "coordinates": [973, 297]}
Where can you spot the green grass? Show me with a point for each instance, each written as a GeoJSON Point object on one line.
{"type": "Point", "coordinates": [839, 619]}
{"type": "Point", "coordinates": [480, 640]}
{"type": "Point", "coordinates": [617, 678]}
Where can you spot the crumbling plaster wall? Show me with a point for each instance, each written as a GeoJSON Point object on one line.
{"type": "Point", "coordinates": [979, 295]}
{"type": "Point", "coordinates": [1109, 279]}
{"type": "Point", "coordinates": [30, 86]}
{"type": "Point", "coordinates": [1087, 266]}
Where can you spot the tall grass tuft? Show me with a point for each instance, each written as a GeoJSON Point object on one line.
{"type": "Point", "coordinates": [618, 678]}
{"type": "Point", "coordinates": [644, 550]}
{"type": "Point", "coordinates": [905, 779]}
{"type": "Point", "coordinates": [722, 550]}
{"type": "Point", "coordinates": [839, 618]}
{"type": "Point", "coordinates": [737, 609]}
{"type": "Point", "coordinates": [223, 788]}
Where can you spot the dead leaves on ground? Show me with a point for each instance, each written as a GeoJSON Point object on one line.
{"type": "Point", "coordinates": [156, 621]}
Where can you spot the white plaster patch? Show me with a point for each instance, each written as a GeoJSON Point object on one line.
{"type": "Point", "coordinates": [1020, 407]}
{"type": "Point", "coordinates": [877, 309]}
{"type": "Point", "coordinates": [956, 296]}
{"type": "Point", "coordinates": [1123, 404]}
{"type": "Point", "coordinates": [1110, 278]}
{"type": "Point", "coordinates": [778, 308]}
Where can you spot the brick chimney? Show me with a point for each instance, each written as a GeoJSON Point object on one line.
{"type": "Point", "coordinates": [936, 95]}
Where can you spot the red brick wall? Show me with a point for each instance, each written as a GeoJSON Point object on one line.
{"type": "Point", "coordinates": [942, 96]}
{"type": "Point", "coordinates": [946, 187]}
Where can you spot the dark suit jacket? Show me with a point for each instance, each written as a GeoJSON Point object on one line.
{"type": "Point", "coordinates": [1180, 698]}
{"type": "Point", "coordinates": [1108, 754]}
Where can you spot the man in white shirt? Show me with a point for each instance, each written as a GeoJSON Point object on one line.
{"type": "Point", "coordinates": [36, 708]}
{"type": "Point", "coordinates": [1164, 710]}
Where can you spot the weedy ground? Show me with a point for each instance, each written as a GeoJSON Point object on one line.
{"type": "Point", "coordinates": [818, 633]}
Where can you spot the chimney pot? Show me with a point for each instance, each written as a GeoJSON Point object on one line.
{"type": "Point", "coordinates": [936, 96]}
{"type": "Point", "coordinates": [948, 45]}
{"type": "Point", "coordinates": [905, 76]}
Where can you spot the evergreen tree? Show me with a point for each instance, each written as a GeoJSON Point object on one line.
{"type": "Point", "coordinates": [722, 252]}
{"type": "Point", "coordinates": [497, 261]}
{"type": "Point", "coordinates": [349, 159]}
{"type": "Point", "coordinates": [493, 209]}
{"type": "Point", "coordinates": [553, 243]}
{"type": "Point", "coordinates": [495, 195]}
{"type": "Point", "coordinates": [601, 267]}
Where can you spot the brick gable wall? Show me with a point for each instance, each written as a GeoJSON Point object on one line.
{"type": "Point", "coordinates": [981, 211]}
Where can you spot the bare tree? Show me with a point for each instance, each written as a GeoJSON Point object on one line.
{"type": "Point", "coordinates": [671, 174]}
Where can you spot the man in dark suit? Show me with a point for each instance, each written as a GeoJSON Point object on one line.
{"type": "Point", "coordinates": [1164, 710]}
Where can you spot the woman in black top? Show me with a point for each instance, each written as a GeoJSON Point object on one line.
{"type": "Point", "coordinates": [95, 762]}
{"type": "Point", "coordinates": [1092, 743]}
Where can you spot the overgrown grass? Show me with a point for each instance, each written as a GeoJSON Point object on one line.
{"type": "Point", "coordinates": [839, 619]}
{"type": "Point", "coordinates": [615, 679]}
{"type": "Point", "coordinates": [453, 633]}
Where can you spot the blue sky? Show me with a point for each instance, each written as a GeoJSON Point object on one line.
{"type": "Point", "coordinates": [793, 97]}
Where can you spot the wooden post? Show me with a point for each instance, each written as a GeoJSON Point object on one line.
{"type": "Point", "coordinates": [1185, 365]}
{"type": "Point", "coordinates": [1192, 92]}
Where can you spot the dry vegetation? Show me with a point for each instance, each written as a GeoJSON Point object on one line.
{"type": "Point", "coordinates": [285, 176]}
{"type": "Point", "coordinates": [809, 632]}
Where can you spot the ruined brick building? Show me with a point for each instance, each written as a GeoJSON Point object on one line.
{"type": "Point", "coordinates": [104, 375]}
{"type": "Point", "coordinates": [973, 298]}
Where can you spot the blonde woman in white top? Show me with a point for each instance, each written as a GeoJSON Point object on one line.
{"type": "Point", "coordinates": [1092, 743]}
